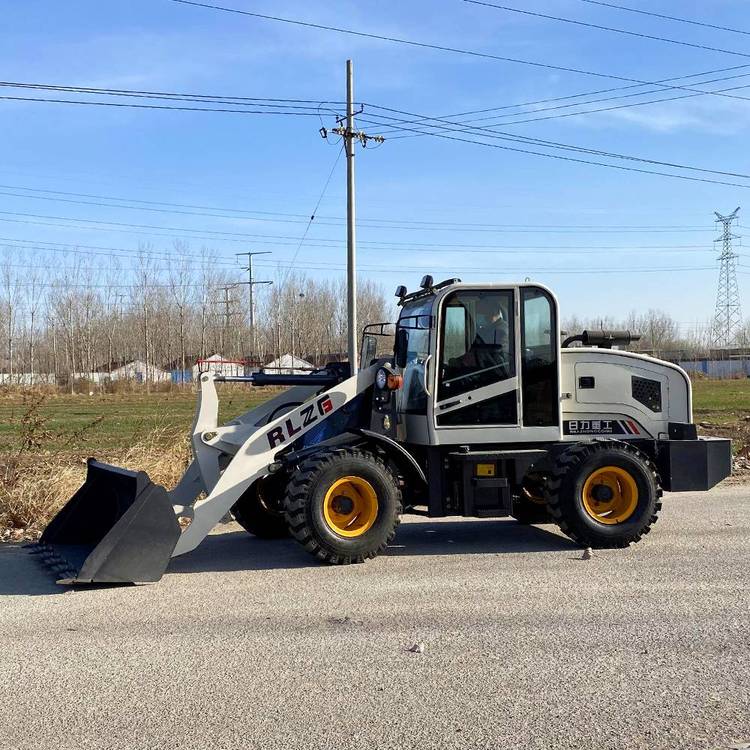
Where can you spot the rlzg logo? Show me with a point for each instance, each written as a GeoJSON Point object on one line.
{"type": "Point", "coordinates": [303, 418]}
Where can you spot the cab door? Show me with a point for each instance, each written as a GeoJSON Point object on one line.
{"type": "Point", "coordinates": [477, 371]}
{"type": "Point", "coordinates": [496, 367]}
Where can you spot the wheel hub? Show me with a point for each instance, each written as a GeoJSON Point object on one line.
{"type": "Point", "coordinates": [610, 495]}
{"type": "Point", "coordinates": [350, 506]}
{"type": "Point", "coordinates": [602, 494]}
{"type": "Point", "coordinates": [342, 505]}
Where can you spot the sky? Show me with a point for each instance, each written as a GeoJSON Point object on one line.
{"type": "Point", "coordinates": [608, 241]}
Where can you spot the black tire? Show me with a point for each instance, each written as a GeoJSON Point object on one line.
{"type": "Point", "coordinates": [255, 512]}
{"type": "Point", "coordinates": [564, 493]}
{"type": "Point", "coordinates": [528, 512]}
{"type": "Point", "coordinates": [306, 504]}
{"type": "Point", "coordinates": [529, 506]}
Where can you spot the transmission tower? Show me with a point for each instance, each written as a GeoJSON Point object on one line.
{"type": "Point", "coordinates": [728, 315]}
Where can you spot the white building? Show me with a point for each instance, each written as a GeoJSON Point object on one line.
{"type": "Point", "coordinates": [136, 370]}
{"type": "Point", "coordinates": [219, 366]}
{"type": "Point", "coordinates": [287, 364]}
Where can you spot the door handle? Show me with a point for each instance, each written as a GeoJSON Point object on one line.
{"type": "Point", "coordinates": [426, 363]}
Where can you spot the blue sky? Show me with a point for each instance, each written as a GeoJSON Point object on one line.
{"type": "Point", "coordinates": [279, 164]}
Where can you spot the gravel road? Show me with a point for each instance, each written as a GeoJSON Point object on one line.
{"type": "Point", "coordinates": [250, 644]}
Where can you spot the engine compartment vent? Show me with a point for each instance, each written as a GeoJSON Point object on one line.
{"type": "Point", "coordinates": [647, 392]}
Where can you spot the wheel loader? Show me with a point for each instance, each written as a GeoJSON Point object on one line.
{"type": "Point", "coordinates": [481, 411]}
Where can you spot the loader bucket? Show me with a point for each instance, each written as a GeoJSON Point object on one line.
{"type": "Point", "coordinates": [119, 527]}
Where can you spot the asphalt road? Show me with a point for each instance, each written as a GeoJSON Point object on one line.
{"type": "Point", "coordinates": [250, 644]}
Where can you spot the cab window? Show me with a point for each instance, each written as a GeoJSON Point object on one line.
{"type": "Point", "coordinates": [539, 348]}
{"type": "Point", "coordinates": [477, 341]}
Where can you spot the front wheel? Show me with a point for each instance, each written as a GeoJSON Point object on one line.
{"type": "Point", "coordinates": [343, 505]}
{"type": "Point", "coordinates": [603, 494]}
{"type": "Point", "coordinates": [256, 512]}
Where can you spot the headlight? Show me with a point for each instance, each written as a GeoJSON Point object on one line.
{"type": "Point", "coordinates": [381, 378]}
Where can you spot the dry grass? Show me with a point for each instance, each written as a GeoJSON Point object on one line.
{"type": "Point", "coordinates": [47, 436]}
{"type": "Point", "coordinates": [35, 487]}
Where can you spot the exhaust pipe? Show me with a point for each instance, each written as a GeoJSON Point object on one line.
{"type": "Point", "coordinates": [119, 527]}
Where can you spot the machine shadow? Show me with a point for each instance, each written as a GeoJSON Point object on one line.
{"type": "Point", "coordinates": [475, 537]}
{"type": "Point", "coordinates": [22, 574]}
{"type": "Point", "coordinates": [238, 551]}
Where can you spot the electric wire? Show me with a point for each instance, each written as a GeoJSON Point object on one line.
{"type": "Point", "coordinates": [425, 120]}
{"type": "Point", "coordinates": [513, 137]}
{"type": "Point", "coordinates": [413, 43]}
{"type": "Point", "coordinates": [157, 106]}
{"type": "Point", "coordinates": [612, 29]}
{"type": "Point", "coordinates": [315, 210]}
{"type": "Point", "coordinates": [378, 247]}
{"type": "Point", "coordinates": [666, 17]}
{"type": "Point", "coordinates": [509, 229]}
{"type": "Point", "coordinates": [617, 107]}
{"type": "Point", "coordinates": [219, 98]}
{"type": "Point", "coordinates": [567, 97]}
{"type": "Point", "coordinates": [577, 160]}
{"type": "Point", "coordinates": [372, 222]}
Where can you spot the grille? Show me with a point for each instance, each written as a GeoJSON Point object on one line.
{"type": "Point", "coordinates": [647, 392]}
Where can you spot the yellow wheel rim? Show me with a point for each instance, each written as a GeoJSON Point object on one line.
{"type": "Point", "coordinates": [350, 506]}
{"type": "Point", "coordinates": [610, 495]}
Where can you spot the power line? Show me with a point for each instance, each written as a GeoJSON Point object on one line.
{"type": "Point", "coordinates": [453, 127]}
{"type": "Point", "coordinates": [263, 216]}
{"type": "Point", "coordinates": [622, 106]}
{"type": "Point", "coordinates": [425, 45]}
{"type": "Point", "coordinates": [379, 269]}
{"type": "Point", "coordinates": [577, 160]}
{"type": "Point", "coordinates": [315, 210]}
{"type": "Point", "coordinates": [612, 29]}
{"type": "Point", "coordinates": [151, 203]}
{"type": "Point", "coordinates": [489, 229]}
{"type": "Point", "coordinates": [492, 133]}
{"type": "Point", "coordinates": [157, 106]}
{"type": "Point", "coordinates": [368, 222]}
{"type": "Point", "coordinates": [596, 93]}
{"type": "Point", "coordinates": [666, 17]}
{"type": "Point", "coordinates": [425, 120]}
{"type": "Point", "coordinates": [371, 246]}
{"type": "Point", "coordinates": [166, 94]}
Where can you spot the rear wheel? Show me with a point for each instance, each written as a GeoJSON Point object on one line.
{"type": "Point", "coordinates": [603, 494]}
{"type": "Point", "coordinates": [343, 505]}
{"type": "Point", "coordinates": [530, 506]}
{"type": "Point", "coordinates": [256, 512]}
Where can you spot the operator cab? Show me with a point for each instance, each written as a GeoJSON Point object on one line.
{"type": "Point", "coordinates": [471, 356]}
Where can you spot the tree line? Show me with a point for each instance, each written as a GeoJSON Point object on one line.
{"type": "Point", "coordinates": [71, 314]}
{"type": "Point", "coordinates": [66, 314]}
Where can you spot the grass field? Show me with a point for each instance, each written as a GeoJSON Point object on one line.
{"type": "Point", "coordinates": [109, 423]}
{"type": "Point", "coordinates": [721, 401]}
{"type": "Point", "coordinates": [45, 438]}
{"type": "Point", "coordinates": [104, 423]}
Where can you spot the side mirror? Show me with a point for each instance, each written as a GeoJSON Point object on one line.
{"type": "Point", "coordinates": [368, 351]}
{"type": "Point", "coordinates": [402, 343]}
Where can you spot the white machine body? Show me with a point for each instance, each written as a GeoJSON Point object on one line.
{"type": "Point", "coordinates": [607, 392]}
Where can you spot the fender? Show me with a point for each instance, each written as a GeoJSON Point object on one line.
{"type": "Point", "coordinates": [391, 446]}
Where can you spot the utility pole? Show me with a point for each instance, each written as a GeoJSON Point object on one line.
{"type": "Point", "coordinates": [728, 314]}
{"type": "Point", "coordinates": [227, 312]}
{"type": "Point", "coordinates": [350, 134]}
{"type": "Point", "coordinates": [250, 283]}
